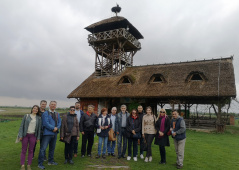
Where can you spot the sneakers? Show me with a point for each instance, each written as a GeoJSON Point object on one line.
{"type": "Point", "coordinates": [146, 159]}
{"type": "Point", "coordinates": [66, 161]}
{"type": "Point", "coordinates": [41, 166]}
{"type": "Point", "coordinates": [141, 156]}
{"type": "Point", "coordinates": [135, 158]}
{"type": "Point", "coordinates": [179, 166]}
{"type": "Point", "coordinates": [52, 163]}
{"type": "Point", "coordinates": [89, 155]}
{"type": "Point", "coordinates": [150, 159]}
{"type": "Point", "coordinates": [23, 167]}
{"type": "Point", "coordinates": [82, 156]}
{"type": "Point", "coordinates": [71, 162]}
{"type": "Point", "coordinates": [128, 158]}
{"type": "Point", "coordinates": [29, 167]}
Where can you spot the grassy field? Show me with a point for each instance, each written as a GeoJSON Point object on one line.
{"type": "Point", "coordinates": [202, 151]}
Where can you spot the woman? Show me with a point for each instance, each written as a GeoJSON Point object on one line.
{"type": "Point", "coordinates": [162, 126]}
{"type": "Point", "coordinates": [69, 133]}
{"type": "Point", "coordinates": [29, 134]}
{"type": "Point", "coordinates": [133, 127]}
{"type": "Point", "coordinates": [103, 125]}
{"type": "Point", "coordinates": [148, 131]}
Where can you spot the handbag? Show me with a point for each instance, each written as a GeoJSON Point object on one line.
{"type": "Point", "coordinates": [169, 133]}
{"type": "Point", "coordinates": [137, 135]}
{"type": "Point", "coordinates": [17, 140]}
{"type": "Point", "coordinates": [145, 145]}
{"type": "Point", "coordinates": [112, 136]}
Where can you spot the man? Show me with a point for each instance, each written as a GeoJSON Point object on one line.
{"type": "Point", "coordinates": [43, 104]}
{"type": "Point", "coordinates": [79, 114]}
{"type": "Point", "coordinates": [120, 128]}
{"type": "Point", "coordinates": [111, 144]}
{"type": "Point", "coordinates": [178, 129]}
{"type": "Point", "coordinates": [141, 115]}
{"type": "Point", "coordinates": [51, 123]}
{"type": "Point", "coordinates": [87, 127]}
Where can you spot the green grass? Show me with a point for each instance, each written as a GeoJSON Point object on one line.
{"type": "Point", "coordinates": [202, 151]}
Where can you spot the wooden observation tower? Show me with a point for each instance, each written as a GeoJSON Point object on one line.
{"type": "Point", "coordinates": [115, 41]}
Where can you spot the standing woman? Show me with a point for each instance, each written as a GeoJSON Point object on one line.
{"type": "Point", "coordinates": [103, 125]}
{"type": "Point", "coordinates": [148, 131]}
{"type": "Point", "coordinates": [162, 126]}
{"type": "Point", "coordinates": [133, 127]}
{"type": "Point", "coordinates": [29, 134]}
{"type": "Point", "coordinates": [69, 133]}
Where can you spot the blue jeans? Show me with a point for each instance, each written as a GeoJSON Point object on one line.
{"type": "Point", "coordinates": [101, 139]}
{"type": "Point", "coordinates": [122, 135]}
{"type": "Point", "coordinates": [51, 140]}
{"type": "Point", "coordinates": [111, 147]}
{"type": "Point", "coordinates": [135, 146]}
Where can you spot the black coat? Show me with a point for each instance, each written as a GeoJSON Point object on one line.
{"type": "Point", "coordinates": [133, 124]}
{"type": "Point", "coordinates": [164, 141]}
{"type": "Point", "coordinates": [87, 123]}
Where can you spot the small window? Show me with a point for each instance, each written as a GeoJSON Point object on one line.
{"type": "Point", "coordinates": [157, 78]}
{"type": "Point", "coordinates": [125, 80]}
{"type": "Point", "coordinates": [196, 77]}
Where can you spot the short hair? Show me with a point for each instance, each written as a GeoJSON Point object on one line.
{"type": "Point", "coordinates": [77, 103]}
{"type": "Point", "coordinates": [72, 107]}
{"type": "Point", "coordinates": [114, 108]}
{"type": "Point", "coordinates": [103, 110]}
{"type": "Point", "coordinates": [140, 106]}
{"type": "Point", "coordinates": [53, 102]}
{"type": "Point", "coordinates": [123, 105]}
{"type": "Point", "coordinates": [175, 111]}
{"type": "Point", "coordinates": [90, 105]}
{"type": "Point", "coordinates": [43, 101]}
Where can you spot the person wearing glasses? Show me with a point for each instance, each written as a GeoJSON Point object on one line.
{"type": "Point", "coordinates": [69, 133]}
{"type": "Point", "coordinates": [162, 126]}
{"type": "Point", "coordinates": [148, 131]}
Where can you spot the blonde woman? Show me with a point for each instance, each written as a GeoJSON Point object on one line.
{"type": "Point", "coordinates": [162, 126]}
{"type": "Point", "coordinates": [148, 131]}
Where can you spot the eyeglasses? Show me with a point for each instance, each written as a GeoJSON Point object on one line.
{"type": "Point", "coordinates": [72, 109]}
{"type": "Point", "coordinates": [162, 112]}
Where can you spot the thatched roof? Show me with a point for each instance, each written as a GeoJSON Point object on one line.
{"type": "Point", "coordinates": [114, 23]}
{"type": "Point", "coordinates": [175, 80]}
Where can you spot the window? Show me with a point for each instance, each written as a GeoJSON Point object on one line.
{"type": "Point", "coordinates": [125, 80]}
{"type": "Point", "coordinates": [157, 78]}
{"type": "Point", "coordinates": [196, 76]}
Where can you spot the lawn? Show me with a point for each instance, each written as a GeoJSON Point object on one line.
{"type": "Point", "coordinates": [203, 151]}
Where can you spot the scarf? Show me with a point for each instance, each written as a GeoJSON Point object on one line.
{"type": "Point", "coordinates": [88, 113]}
{"type": "Point", "coordinates": [134, 117]}
{"type": "Point", "coordinates": [162, 125]}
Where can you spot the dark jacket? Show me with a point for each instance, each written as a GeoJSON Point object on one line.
{"type": "Point", "coordinates": [180, 128]}
{"type": "Point", "coordinates": [65, 134]}
{"type": "Point", "coordinates": [118, 121]}
{"type": "Point", "coordinates": [99, 122]}
{"type": "Point", "coordinates": [164, 141]}
{"type": "Point", "coordinates": [25, 124]}
{"type": "Point", "coordinates": [133, 124]}
{"type": "Point", "coordinates": [87, 123]}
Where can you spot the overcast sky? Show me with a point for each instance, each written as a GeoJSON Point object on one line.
{"type": "Point", "coordinates": [45, 54]}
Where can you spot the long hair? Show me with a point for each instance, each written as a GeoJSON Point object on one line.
{"type": "Point", "coordinates": [150, 109]}
{"type": "Point", "coordinates": [38, 113]}
{"type": "Point", "coordinates": [162, 109]}
{"type": "Point", "coordinates": [132, 111]}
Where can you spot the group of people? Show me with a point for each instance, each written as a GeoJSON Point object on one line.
{"type": "Point", "coordinates": [130, 128]}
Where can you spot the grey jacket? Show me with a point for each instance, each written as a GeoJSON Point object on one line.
{"type": "Point", "coordinates": [24, 126]}
{"type": "Point", "coordinates": [118, 121]}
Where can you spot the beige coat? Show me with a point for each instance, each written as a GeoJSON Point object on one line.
{"type": "Point", "coordinates": [148, 124]}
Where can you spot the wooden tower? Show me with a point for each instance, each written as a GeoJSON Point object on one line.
{"type": "Point", "coordinates": [115, 41]}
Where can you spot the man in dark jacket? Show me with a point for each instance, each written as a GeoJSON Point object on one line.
{"type": "Point", "coordinates": [141, 115]}
{"type": "Point", "coordinates": [178, 129]}
{"type": "Point", "coordinates": [87, 127]}
{"type": "Point", "coordinates": [79, 114]}
{"type": "Point", "coordinates": [120, 128]}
